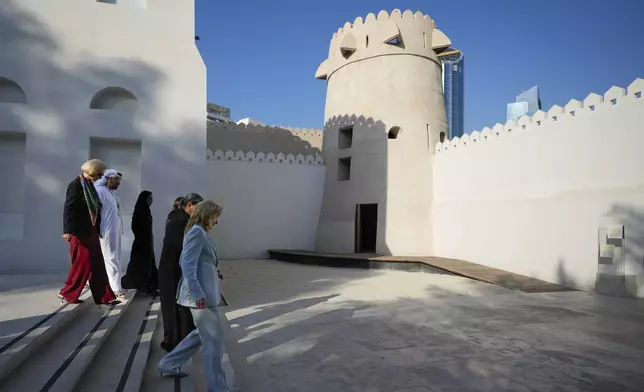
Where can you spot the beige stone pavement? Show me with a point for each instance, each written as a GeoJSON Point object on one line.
{"type": "Point", "coordinates": [308, 328]}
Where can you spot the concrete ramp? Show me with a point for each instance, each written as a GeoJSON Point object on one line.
{"type": "Point", "coordinates": [463, 268]}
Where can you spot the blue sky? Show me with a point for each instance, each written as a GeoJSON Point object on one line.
{"type": "Point", "coordinates": [261, 55]}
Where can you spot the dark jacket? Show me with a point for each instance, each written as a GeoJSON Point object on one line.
{"type": "Point", "coordinates": [173, 242]}
{"type": "Point", "coordinates": [76, 219]}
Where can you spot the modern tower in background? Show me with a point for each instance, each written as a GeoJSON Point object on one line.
{"type": "Point", "coordinates": [527, 103]}
{"type": "Point", "coordinates": [453, 64]}
{"type": "Point", "coordinates": [218, 113]}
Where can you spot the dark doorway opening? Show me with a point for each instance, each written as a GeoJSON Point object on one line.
{"type": "Point", "coordinates": [366, 228]}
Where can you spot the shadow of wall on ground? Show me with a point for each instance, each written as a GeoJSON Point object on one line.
{"type": "Point", "coordinates": [478, 337]}
{"type": "Point", "coordinates": [31, 44]}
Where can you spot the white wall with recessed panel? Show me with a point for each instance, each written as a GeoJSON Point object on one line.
{"type": "Point", "coordinates": [119, 80]}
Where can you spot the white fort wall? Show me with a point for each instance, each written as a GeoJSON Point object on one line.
{"type": "Point", "coordinates": [534, 197]}
{"type": "Point", "coordinates": [271, 201]}
{"type": "Point", "coordinates": [123, 82]}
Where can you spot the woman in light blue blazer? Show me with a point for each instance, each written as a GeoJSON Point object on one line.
{"type": "Point", "coordinates": [199, 291]}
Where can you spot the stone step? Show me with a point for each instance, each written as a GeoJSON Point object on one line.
{"type": "Point", "coordinates": [195, 382]}
{"type": "Point", "coordinates": [152, 381]}
{"type": "Point", "coordinates": [27, 335]}
{"type": "Point", "coordinates": [59, 365]}
{"type": "Point", "coordinates": [119, 365]}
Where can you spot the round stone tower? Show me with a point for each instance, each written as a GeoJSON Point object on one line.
{"type": "Point", "coordinates": [384, 114]}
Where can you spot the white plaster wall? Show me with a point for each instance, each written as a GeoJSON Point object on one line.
{"type": "Point", "coordinates": [12, 191]}
{"type": "Point", "coordinates": [125, 156]}
{"type": "Point", "coordinates": [266, 206]}
{"type": "Point", "coordinates": [532, 200]}
{"type": "Point", "coordinates": [62, 53]}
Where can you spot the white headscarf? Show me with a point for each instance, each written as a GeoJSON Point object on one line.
{"type": "Point", "coordinates": [108, 174]}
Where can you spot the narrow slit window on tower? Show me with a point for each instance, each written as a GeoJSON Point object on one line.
{"type": "Point", "coordinates": [442, 137]}
{"type": "Point", "coordinates": [344, 169]}
{"type": "Point", "coordinates": [345, 137]}
{"type": "Point", "coordinates": [367, 42]}
{"type": "Point", "coordinates": [424, 40]}
{"type": "Point", "coordinates": [393, 133]}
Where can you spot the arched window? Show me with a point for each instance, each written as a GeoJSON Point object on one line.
{"type": "Point", "coordinates": [393, 133]}
{"type": "Point", "coordinates": [442, 136]}
{"type": "Point", "coordinates": [11, 92]}
{"type": "Point", "coordinates": [114, 98]}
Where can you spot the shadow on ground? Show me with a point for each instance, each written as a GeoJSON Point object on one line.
{"type": "Point", "coordinates": [309, 328]}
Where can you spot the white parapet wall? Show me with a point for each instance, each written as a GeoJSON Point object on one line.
{"type": "Point", "coordinates": [271, 201]}
{"type": "Point", "coordinates": [538, 196]}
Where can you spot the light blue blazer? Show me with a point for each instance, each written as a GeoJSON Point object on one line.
{"type": "Point", "coordinates": [199, 264]}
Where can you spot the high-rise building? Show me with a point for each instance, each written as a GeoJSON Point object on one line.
{"type": "Point", "coordinates": [453, 63]}
{"type": "Point", "coordinates": [527, 103]}
{"type": "Point", "coordinates": [218, 113]}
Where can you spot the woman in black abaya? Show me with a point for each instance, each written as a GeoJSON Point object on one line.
{"type": "Point", "coordinates": [142, 273]}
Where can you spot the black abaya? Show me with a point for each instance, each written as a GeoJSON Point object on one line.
{"type": "Point", "coordinates": [177, 320]}
{"type": "Point", "coordinates": [142, 273]}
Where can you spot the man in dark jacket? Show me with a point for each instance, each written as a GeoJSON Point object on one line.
{"type": "Point", "coordinates": [177, 320]}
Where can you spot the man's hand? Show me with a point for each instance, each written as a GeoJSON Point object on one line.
{"type": "Point", "coordinates": [201, 303]}
{"type": "Point", "coordinates": [219, 274]}
{"type": "Point", "coordinates": [67, 237]}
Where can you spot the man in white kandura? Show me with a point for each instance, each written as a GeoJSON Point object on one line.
{"type": "Point", "coordinates": [111, 228]}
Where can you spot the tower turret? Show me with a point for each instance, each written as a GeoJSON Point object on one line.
{"type": "Point", "coordinates": [384, 114]}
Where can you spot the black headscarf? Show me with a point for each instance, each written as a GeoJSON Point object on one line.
{"type": "Point", "coordinates": [141, 208]}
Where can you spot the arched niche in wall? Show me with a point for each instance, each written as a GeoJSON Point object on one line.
{"type": "Point", "coordinates": [11, 92]}
{"type": "Point", "coordinates": [442, 136]}
{"type": "Point", "coordinates": [393, 133]}
{"type": "Point", "coordinates": [114, 98]}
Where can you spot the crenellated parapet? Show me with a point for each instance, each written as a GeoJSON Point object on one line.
{"type": "Point", "coordinates": [266, 139]}
{"type": "Point", "coordinates": [593, 103]}
{"type": "Point", "coordinates": [384, 34]}
{"type": "Point", "coordinates": [250, 156]}
{"type": "Point", "coordinates": [316, 133]}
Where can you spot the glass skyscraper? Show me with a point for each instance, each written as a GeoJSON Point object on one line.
{"type": "Point", "coordinates": [453, 64]}
{"type": "Point", "coordinates": [527, 103]}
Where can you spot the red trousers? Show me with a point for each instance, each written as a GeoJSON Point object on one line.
{"type": "Point", "coordinates": [87, 263]}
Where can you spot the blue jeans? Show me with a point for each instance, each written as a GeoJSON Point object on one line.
{"type": "Point", "coordinates": [207, 335]}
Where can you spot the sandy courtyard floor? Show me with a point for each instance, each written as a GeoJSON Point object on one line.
{"type": "Point", "coordinates": [315, 329]}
